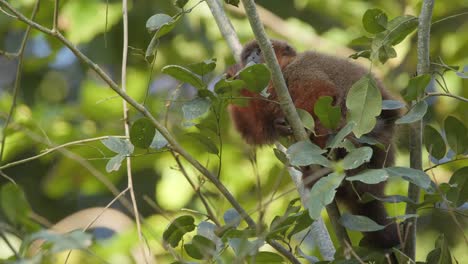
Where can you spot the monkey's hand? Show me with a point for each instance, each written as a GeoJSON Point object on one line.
{"type": "Point", "coordinates": [282, 127]}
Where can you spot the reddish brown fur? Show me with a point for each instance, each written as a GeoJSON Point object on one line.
{"type": "Point", "coordinates": [309, 76]}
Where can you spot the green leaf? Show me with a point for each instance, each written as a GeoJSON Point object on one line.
{"type": "Point", "coordinates": [397, 30]}
{"type": "Point", "coordinates": [364, 103]}
{"type": "Point", "coordinates": [374, 20]}
{"type": "Point", "coordinates": [256, 77]}
{"type": "Point", "coordinates": [357, 157]}
{"type": "Point", "coordinates": [306, 118]}
{"type": "Point", "coordinates": [304, 153]}
{"type": "Point", "coordinates": [367, 197]}
{"type": "Point", "coordinates": [371, 141]}
{"type": "Point", "coordinates": [385, 53]}
{"type": "Point", "coordinates": [441, 254]}
{"type": "Point", "coordinates": [457, 135]}
{"type": "Point", "coordinates": [340, 136]}
{"type": "Point", "coordinates": [158, 141]}
{"type": "Point", "coordinates": [359, 223]}
{"type": "Point", "coordinates": [459, 194]}
{"type": "Point", "coordinates": [118, 145]}
{"type": "Point", "coordinates": [434, 142]}
{"type": "Point", "coordinates": [14, 204]}
{"type": "Point", "coordinates": [322, 193]}
{"type": "Point", "coordinates": [161, 24]}
{"type": "Point", "coordinates": [416, 87]}
{"type": "Point", "coordinates": [392, 104]}
{"type": "Point", "coordinates": [142, 133]}
{"type": "Point", "coordinates": [328, 114]}
{"type": "Point", "coordinates": [206, 142]}
{"type": "Point", "coordinates": [196, 108]}
{"type": "Point", "coordinates": [370, 176]}
{"type": "Point", "coordinates": [76, 239]}
{"type": "Point", "coordinates": [204, 67]}
{"type": "Point", "coordinates": [177, 229]}
{"type": "Point", "coordinates": [416, 113]}
{"type": "Point", "coordinates": [401, 257]}
{"type": "Point", "coordinates": [400, 27]}
{"type": "Point", "coordinates": [229, 86]}
{"type": "Point", "coordinates": [181, 3]}
{"type": "Point", "coordinates": [265, 257]}
{"type": "Point", "coordinates": [302, 222]}
{"type": "Point", "coordinates": [200, 248]}
{"type": "Point", "coordinates": [184, 75]}
{"type": "Point", "coordinates": [417, 177]}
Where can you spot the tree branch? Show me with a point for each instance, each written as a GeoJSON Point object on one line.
{"type": "Point", "coordinates": [424, 30]}
{"type": "Point", "coordinates": [164, 132]}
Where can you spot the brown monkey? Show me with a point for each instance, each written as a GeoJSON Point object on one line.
{"type": "Point", "coordinates": [309, 76]}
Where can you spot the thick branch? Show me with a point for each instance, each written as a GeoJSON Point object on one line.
{"type": "Point", "coordinates": [284, 97]}
{"type": "Point", "coordinates": [226, 28]}
{"type": "Point", "coordinates": [424, 29]}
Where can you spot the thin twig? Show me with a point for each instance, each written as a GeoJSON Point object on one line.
{"type": "Point", "coordinates": [127, 123]}
{"type": "Point", "coordinates": [56, 10]}
{"type": "Point", "coordinates": [463, 99]}
{"type": "Point", "coordinates": [164, 132]}
{"type": "Point", "coordinates": [47, 151]}
{"type": "Point", "coordinates": [17, 84]}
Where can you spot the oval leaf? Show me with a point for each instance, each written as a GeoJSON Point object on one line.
{"type": "Point", "coordinates": [158, 141]}
{"type": "Point", "coordinates": [434, 142]}
{"type": "Point", "coordinates": [184, 75]}
{"type": "Point", "coordinates": [196, 108]}
{"type": "Point", "coordinates": [232, 218]}
{"type": "Point", "coordinates": [359, 223]}
{"type": "Point", "coordinates": [118, 145]}
{"type": "Point", "coordinates": [142, 133]}
{"type": "Point", "coordinates": [415, 114]}
{"type": "Point", "coordinates": [256, 77]}
{"type": "Point", "coordinates": [457, 135]}
{"type": "Point", "coordinates": [374, 20]}
{"type": "Point", "coordinates": [370, 176]}
{"type": "Point", "coordinates": [306, 118]}
{"type": "Point", "coordinates": [177, 229]}
{"type": "Point", "coordinates": [357, 157]}
{"type": "Point", "coordinates": [115, 162]}
{"type": "Point", "coordinates": [364, 103]}
{"type": "Point", "coordinates": [459, 193]}
{"type": "Point", "coordinates": [340, 136]}
{"type": "Point", "coordinates": [322, 193]}
{"type": "Point", "coordinates": [305, 153]}
{"type": "Point", "coordinates": [392, 105]}
{"type": "Point", "coordinates": [416, 87]}
{"type": "Point", "coordinates": [14, 204]}
{"type": "Point", "coordinates": [200, 248]}
{"type": "Point", "coordinates": [204, 67]}
{"type": "Point", "coordinates": [161, 24]}
{"type": "Point", "coordinates": [328, 114]}
{"type": "Point", "coordinates": [417, 177]}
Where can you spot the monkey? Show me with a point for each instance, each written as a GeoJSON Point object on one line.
{"type": "Point", "coordinates": [309, 76]}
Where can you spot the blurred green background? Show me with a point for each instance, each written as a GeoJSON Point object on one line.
{"type": "Point", "coordinates": [60, 100]}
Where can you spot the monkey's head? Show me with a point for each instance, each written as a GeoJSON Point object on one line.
{"type": "Point", "coordinates": [251, 53]}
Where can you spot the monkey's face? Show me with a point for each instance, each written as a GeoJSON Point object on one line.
{"type": "Point", "coordinates": [253, 54]}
